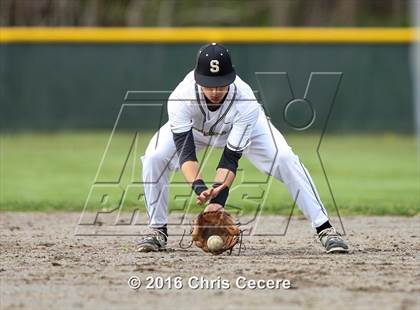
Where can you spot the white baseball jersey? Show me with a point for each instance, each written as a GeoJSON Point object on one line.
{"type": "Point", "coordinates": [235, 118]}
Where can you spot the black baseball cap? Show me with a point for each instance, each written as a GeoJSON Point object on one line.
{"type": "Point", "coordinates": [214, 66]}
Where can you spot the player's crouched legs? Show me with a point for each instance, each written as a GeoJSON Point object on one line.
{"type": "Point", "coordinates": [297, 179]}
{"type": "Point", "coordinates": [155, 178]}
{"type": "Point", "coordinates": [156, 192]}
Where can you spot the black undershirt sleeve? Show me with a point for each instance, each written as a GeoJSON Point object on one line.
{"type": "Point", "coordinates": [229, 159]}
{"type": "Point", "coordinates": [185, 146]}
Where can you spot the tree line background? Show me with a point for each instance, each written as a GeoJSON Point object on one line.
{"type": "Point", "coordinates": [172, 13]}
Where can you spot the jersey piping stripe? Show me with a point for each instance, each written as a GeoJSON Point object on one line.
{"type": "Point", "coordinates": [197, 96]}
{"type": "Point", "coordinates": [226, 111]}
{"type": "Point", "coordinates": [238, 148]}
{"type": "Point", "coordinates": [211, 130]}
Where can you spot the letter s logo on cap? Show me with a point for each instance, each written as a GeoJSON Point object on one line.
{"type": "Point", "coordinates": [214, 66]}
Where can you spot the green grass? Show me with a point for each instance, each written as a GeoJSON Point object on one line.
{"type": "Point", "coordinates": [369, 174]}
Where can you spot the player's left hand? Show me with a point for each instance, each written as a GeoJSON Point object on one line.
{"type": "Point", "coordinates": [210, 193]}
{"type": "Point", "coordinates": [212, 207]}
{"type": "Point", "coordinates": [215, 223]}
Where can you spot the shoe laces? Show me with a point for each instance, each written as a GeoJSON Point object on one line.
{"type": "Point", "coordinates": [154, 234]}
{"type": "Point", "coordinates": [329, 233]}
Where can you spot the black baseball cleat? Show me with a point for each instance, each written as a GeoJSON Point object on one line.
{"type": "Point", "coordinates": [332, 241]}
{"type": "Point", "coordinates": [153, 242]}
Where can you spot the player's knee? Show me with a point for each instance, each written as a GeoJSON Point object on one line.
{"type": "Point", "coordinates": [284, 163]}
{"type": "Point", "coordinates": [152, 158]}
{"type": "Point", "coordinates": [286, 157]}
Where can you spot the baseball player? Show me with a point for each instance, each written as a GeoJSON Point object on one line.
{"type": "Point", "coordinates": [214, 107]}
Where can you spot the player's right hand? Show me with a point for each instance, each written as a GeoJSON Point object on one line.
{"type": "Point", "coordinates": [204, 196]}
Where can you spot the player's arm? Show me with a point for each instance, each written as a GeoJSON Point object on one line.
{"type": "Point", "coordinates": [225, 175]}
{"type": "Point", "coordinates": [185, 146]}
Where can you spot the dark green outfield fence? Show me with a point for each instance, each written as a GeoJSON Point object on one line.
{"type": "Point", "coordinates": [49, 86]}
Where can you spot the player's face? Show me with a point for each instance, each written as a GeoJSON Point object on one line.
{"type": "Point", "coordinates": [215, 94]}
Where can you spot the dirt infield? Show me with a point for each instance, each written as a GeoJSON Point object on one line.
{"type": "Point", "coordinates": [44, 265]}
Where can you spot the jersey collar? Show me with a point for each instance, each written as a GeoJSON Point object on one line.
{"type": "Point", "coordinates": [225, 106]}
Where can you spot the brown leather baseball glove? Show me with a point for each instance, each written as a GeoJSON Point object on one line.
{"type": "Point", "coordinates": [218, 223]}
